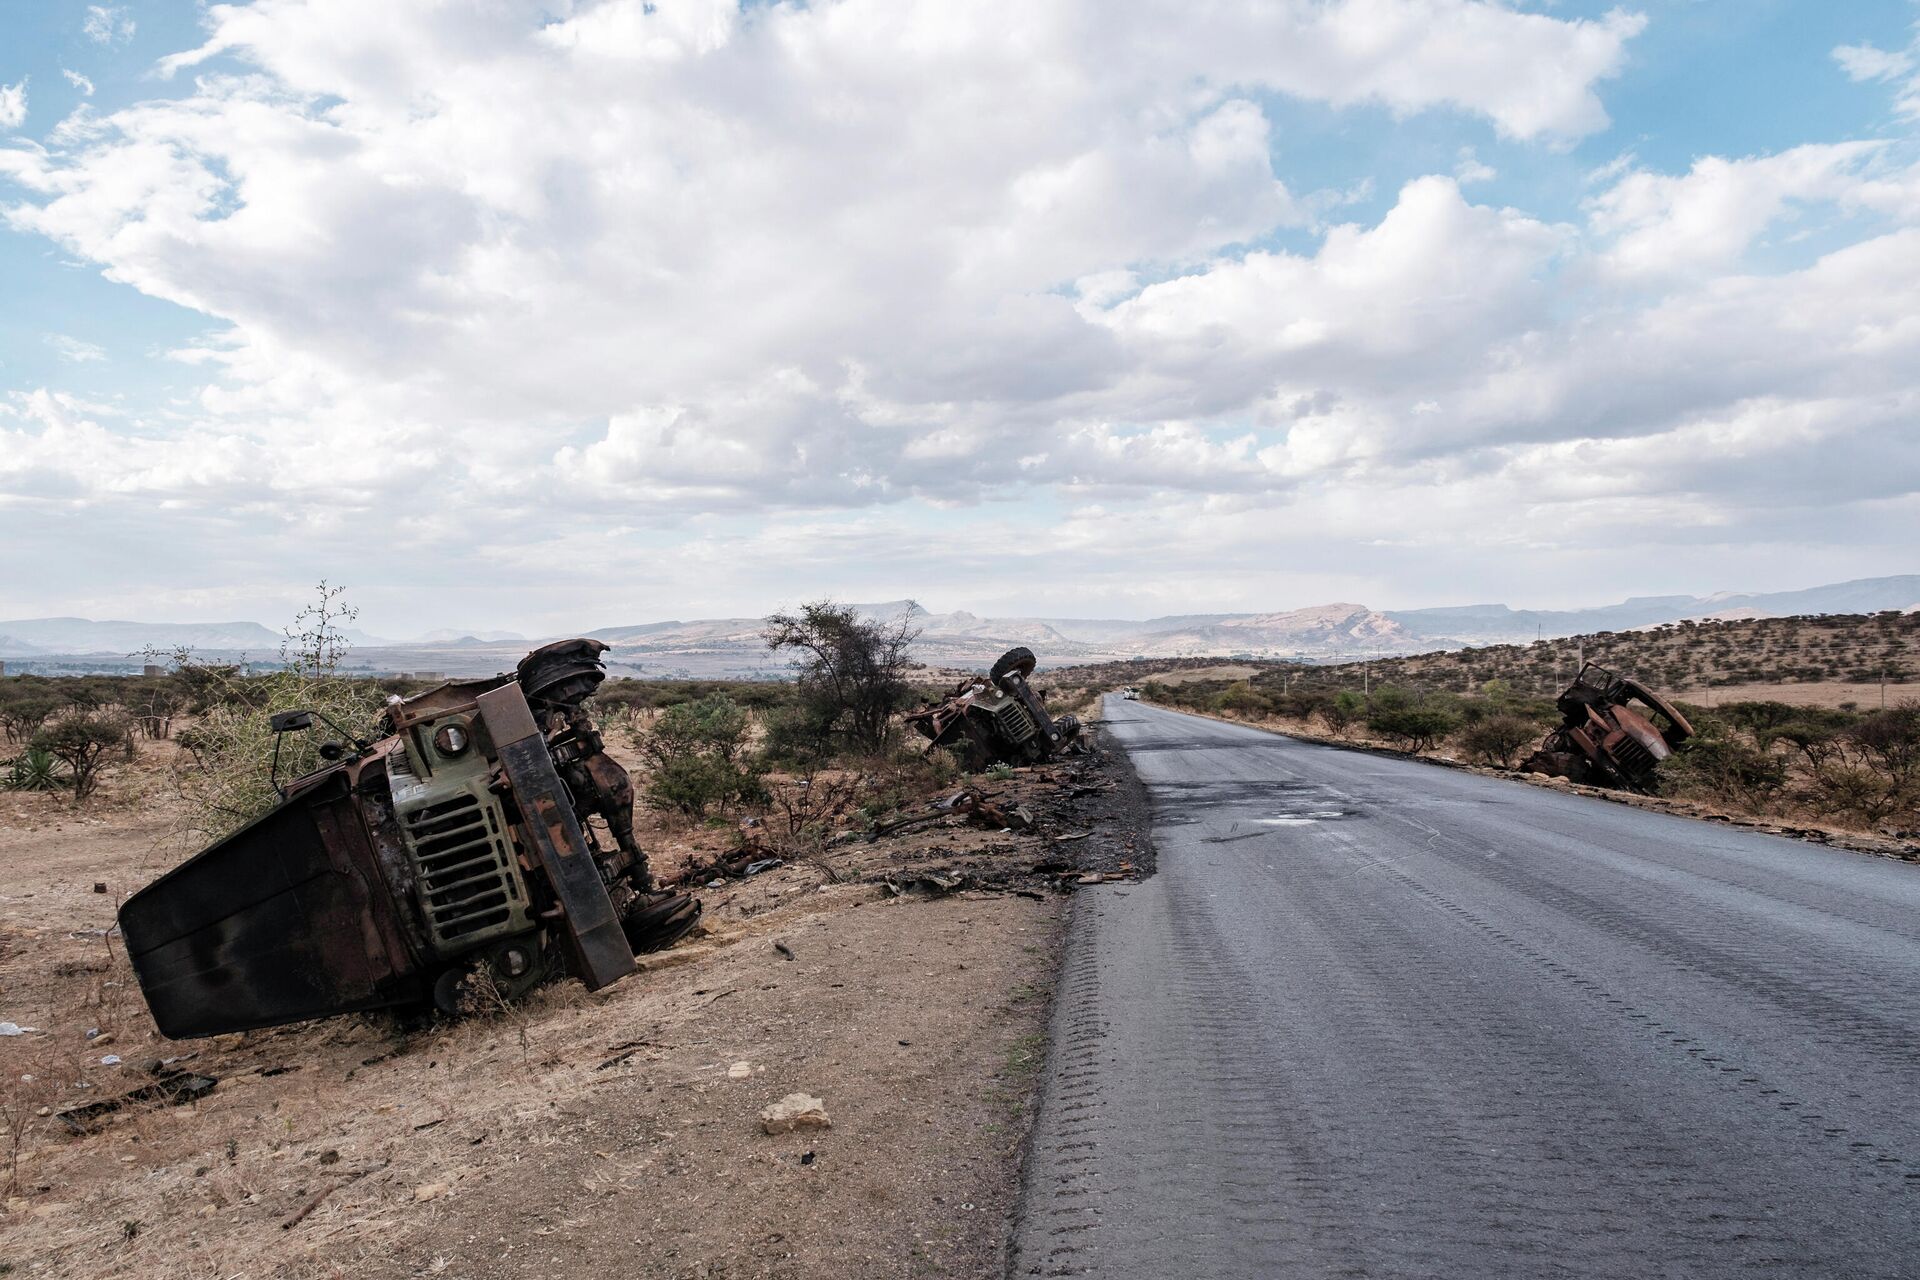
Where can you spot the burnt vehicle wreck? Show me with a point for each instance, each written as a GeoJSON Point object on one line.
{"type": "Point", "coordinates": [457, 847]}
{"type": "Point", "coordinates": [997, 718]}
{"type": "Point", "coordinates": [1605, 741]}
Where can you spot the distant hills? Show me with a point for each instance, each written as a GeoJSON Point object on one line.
{"type": "Point", "coordinates": [83, 635]}
{"type": "Point", "coordinates": [732, 648]}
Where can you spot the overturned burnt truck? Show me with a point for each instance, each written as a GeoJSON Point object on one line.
{"type": "Point", "coordinates": [1605, 741]}
{"type": "Point", "coordinates": [997, 718]}
{"type": "Point", "coordinates": [452, 857]}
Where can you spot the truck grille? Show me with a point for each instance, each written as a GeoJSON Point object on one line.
{"type": "Point", "coordinates": [1633, 760]}
{"type": "Point", "coordinates": [466, 887]}
{"type": "Point", "coordinates": [1014, 721]}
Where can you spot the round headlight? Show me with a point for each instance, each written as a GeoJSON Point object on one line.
{"type": "Point", "coordinates": [451, 739]}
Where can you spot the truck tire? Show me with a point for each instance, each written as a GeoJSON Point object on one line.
{"type": "Point", "coordinates": [1013, 660]}
{"type": "Point", "coordinates": [655, 921]}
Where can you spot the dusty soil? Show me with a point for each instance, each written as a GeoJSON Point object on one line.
{"type": "Point", "coordinates": [608, 1134]}
{"type": "Point", "coordinates": [1817, 693]}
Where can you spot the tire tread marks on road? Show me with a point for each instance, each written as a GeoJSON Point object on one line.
{"type": "Point", "coordinates": [1431, 1035]}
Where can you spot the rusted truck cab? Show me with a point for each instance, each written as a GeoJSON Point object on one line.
{"type": "Point", "coordinates": [1603, 739]}
{"type": "Point", "coordinates": [456, 849]}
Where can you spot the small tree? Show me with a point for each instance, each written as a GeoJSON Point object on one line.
{"type": "Point", "coordinates": [698, 749]}
{"type": "Point", "coordinates": [85, 741]}
{"type": "Point", "coordinates": [852, 670]}
{"type": "Point", "coordinates": [226, 781]}
{"type": "Point", "coordinates": [1346, 708]}
{"type": "Point", "coordinates": [1416, 723]}
{"type": "Point", "coordinates": [1240, 699]}
{"type": "Point", "coordinates": [22, 713]}
{"type": "Point", "coordinates": [154, 703]}
{"type": "Point", "coordinates": [1499, 738]}
{"type": "Point", "coordinates": [1890, 740]}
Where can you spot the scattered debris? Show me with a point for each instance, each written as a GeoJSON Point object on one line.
{"type": "Point", "coordinates": [174, 1087]}
{"type": "Point", "coordinates": [734, 864]}
{"type": "Point", "coordinates": [795, 1111]}
{"type": "Point", "coordinates": [784, 949]}
{"type": "Point", "coordinates": [932, 884]}
{"type": "Point", "coordinates": [1602, 740]}
{"type": "Point", "coordinates": [739, 1070]}
{"type": "Point", "coordinates": [15, 1029]}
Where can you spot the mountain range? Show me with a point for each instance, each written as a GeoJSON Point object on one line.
{"type": "Point", "coordinates": [732, 648]}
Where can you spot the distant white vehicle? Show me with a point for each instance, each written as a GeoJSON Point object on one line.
{"type": "Point", "coordinates": [1131, 695]}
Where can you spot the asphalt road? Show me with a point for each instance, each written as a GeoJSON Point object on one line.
{"type": "Point", "coordinates": [1378, 1018]}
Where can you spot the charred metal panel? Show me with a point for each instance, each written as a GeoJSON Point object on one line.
{"type": "Point", "coordinates": [284, 920]}
{"type": "Point", "coordinates": [601, 954]}
{"type": "Point", "coordinates": [1605, 741]}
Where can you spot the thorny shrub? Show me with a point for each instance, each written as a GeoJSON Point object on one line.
{"type": "Point", "coordinates": [851, 672]}
{"type": "Point", "coordinates": [1499, 739]}
{"type": "Point", "coordinates": [25, 705]}
{"type": "Point", "coordinates": [698, 751]}
{"type": "Point", "coordinates": [85, 741]}
{"type": "Point", "coordinates": [1415, 721]}
{"type": "Point", "coordinates": [226, 771]}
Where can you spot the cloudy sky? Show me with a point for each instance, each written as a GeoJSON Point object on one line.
{"type": "Point", "coordinates": [563, 314]}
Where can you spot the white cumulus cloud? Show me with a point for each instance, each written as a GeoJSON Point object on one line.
{"type": "Point", "coordinates": [13, 105]}
{"type": "Point", "coordinates": [683, 290]}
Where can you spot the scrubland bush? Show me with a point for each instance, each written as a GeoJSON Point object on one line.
{"type": "Point", "coordinates": [1722, 766]}
{"type": "Point", "coordinates": [699, 755]}
{"type": "Point", "coordinates": [1239, 699]}
{"type": "Point", "coordinates": [1415, 721]}
{"type": "Point", "coordinates": [226, 776]}
{"type": "Point", "coordinates": [85, 742]}
{"type": "Point", "coordinates": [24, 707]}
{"type": "Point", "coordinates": [1345, 710]}
{"type": "Point", "coordinates": [1499, 739]}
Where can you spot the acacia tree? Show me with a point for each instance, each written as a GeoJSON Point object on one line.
{"type": "Point", "coordinates": [226, 774]}
{"type": "Point", "coordinates": [84, 741]}
{"type": "Point", "coordinates": [852, 670]}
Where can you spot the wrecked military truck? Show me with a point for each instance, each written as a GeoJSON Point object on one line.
{"type": "Point", "coordinates": [1603, 740]}
{"type": "Point", "coordinates": [454, 851]}
{"type": "Point", "coordinates": [997, 718]}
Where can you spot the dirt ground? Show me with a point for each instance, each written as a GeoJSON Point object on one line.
{"type": "Point", "coordinates": [1814, 693]}
{"type": "Point", "coordinates": [614, 1133]}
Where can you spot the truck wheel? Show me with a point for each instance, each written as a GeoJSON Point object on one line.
{"type": "Point", "coordinates": [655, 921]}
{"type": "Point", "coordinates": [448, 989]}
{"type": "Point", "coordinates": [1020, 660]}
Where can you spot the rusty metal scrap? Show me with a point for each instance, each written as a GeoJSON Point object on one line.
{"type": "Point", "coordinates": [1603, 739]}
{"type": "Point", "coordinates": [997, 718]}
{"type": "Point", "coordinates": [166, 1087]}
